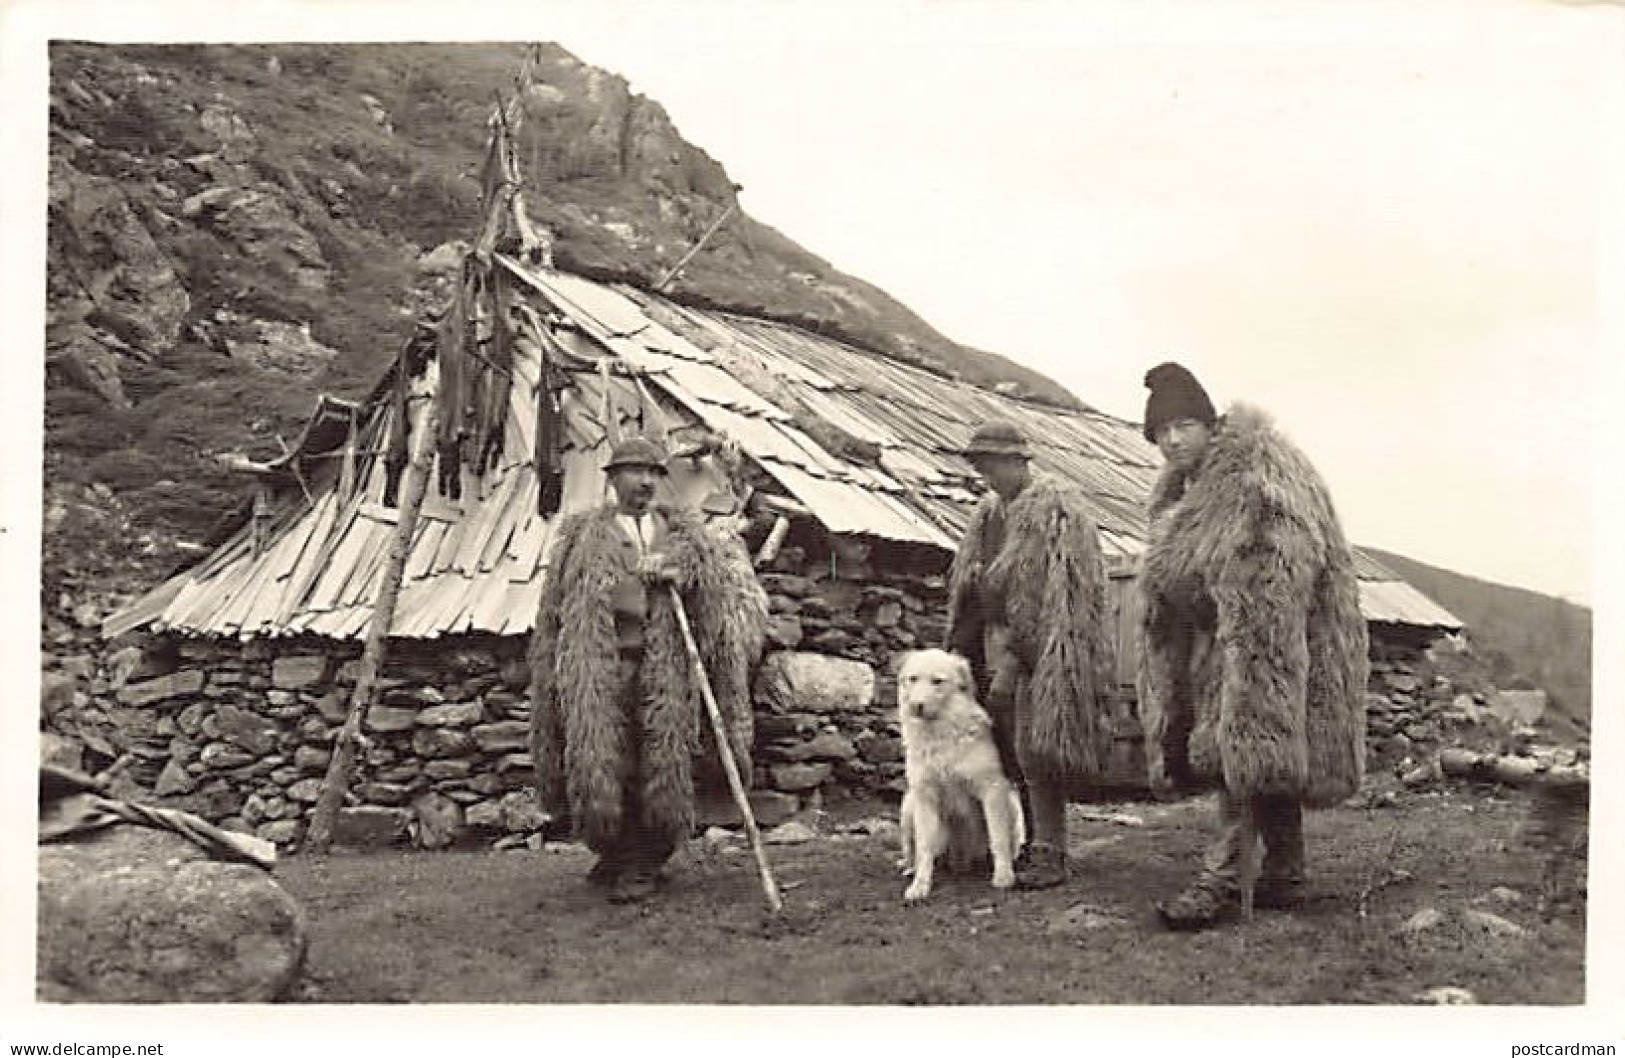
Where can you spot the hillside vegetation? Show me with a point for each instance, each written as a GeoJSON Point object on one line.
{"type": "Point", "coordinates": [1529, 639]}
{"type": "Point", "coordinates": [234, 229]}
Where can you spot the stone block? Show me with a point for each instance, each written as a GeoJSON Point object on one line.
{"type": "Point", "coordinates": [175, 685]}
{"type": "Point", "coordinates": [306, 790]}
{"type": "Point", "coordinates": [440, 770]}
{"type": "Point", "coordinates": [439, 820]}
{"type": "Point", "coordinates": [371, 827]}
{"type": "Point", "coordinates": [452, 714]}
{"type": "Point", "coordinates": [245, 728]}
{"type": "Point", "coordinates": [826, 746]}
{"type": "Point", "coordinates": [312, 760]}
{"type": "Point", "coordinates": [794, 778]}
{"type": "Point", "coordinates": [384, 718]}
{"type": "Point", "coordinates": [800, 682]}
{"type": "Point", "coordinates": [295, 672]}
{"type": "Point", "coordinates": [503, 736]}
{"type": "Point", "coordinates": [438, 742]}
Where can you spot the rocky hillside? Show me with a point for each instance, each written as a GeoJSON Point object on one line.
{"type": "Point", "coordinates": [234, 229]}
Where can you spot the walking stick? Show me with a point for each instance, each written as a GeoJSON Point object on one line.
{"type": "Point", "coordinates": [724, 748]}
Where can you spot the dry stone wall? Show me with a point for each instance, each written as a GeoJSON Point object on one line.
{"type": "Point", "coordinates": [241, 732]}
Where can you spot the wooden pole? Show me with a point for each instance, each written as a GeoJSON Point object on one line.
{"type": "Point", "coordinates": [320, 836]}
{"type": "Point", "coordinates": [725, 749]}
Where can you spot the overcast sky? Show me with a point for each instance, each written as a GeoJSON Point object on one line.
{"type": "Point", "coordinates": [1383, 222]}
{"type": "Point", "coordinates": [1380, 222]}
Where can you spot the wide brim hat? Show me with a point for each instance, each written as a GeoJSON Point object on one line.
{"type": "Point", "coordinates": [637, 452]}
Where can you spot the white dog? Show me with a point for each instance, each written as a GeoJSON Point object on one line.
{"type": "Point", "coordinates": [959, 800]}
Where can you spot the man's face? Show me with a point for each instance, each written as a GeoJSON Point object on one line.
{"type": "Point", "coordinates": [1183, 441]}
{"type": "Point", "coordinates": [634, 488]}
{"type": "Point", "coordinates": [1005, 475]}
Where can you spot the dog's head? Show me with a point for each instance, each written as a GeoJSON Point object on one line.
{"type": "Point", "coordinates": [928, 680]}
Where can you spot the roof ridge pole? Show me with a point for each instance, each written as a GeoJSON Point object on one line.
{"type": "Point", "coordinates": [319, 838]}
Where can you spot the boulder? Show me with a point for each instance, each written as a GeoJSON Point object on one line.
{"type": "Point", "coordinates": [521, 812]}
{"type": "Point", "coordinates": [139, 299]}
{"type": "Point", "coordinates": [246, 729]}
{"type": "Point", "coordinates": [260, 225]}
{"type": "Point", "coordinates": [1493, 924]}
{"type": "Point", "coordinates": [439, 820]}
{"type": "Point", "coordinates": [371, 827]}
{"type": "Point", "coordinates": [139, 915]}
{"type": "Point", "coordinates": [485, 816]}
{"type": "Point", "coordinates": [795, 681]}
{"type": "Point", "coordinates": [1422, 921]}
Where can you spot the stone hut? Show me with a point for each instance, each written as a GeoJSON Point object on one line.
{"type": "Point", "coordinates": [840, 467]}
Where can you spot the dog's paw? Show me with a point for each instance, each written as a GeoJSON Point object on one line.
{"type": "Point", "coordinates": [1004, 877]}
{"type": "Point", "coordinates": [916, 892]}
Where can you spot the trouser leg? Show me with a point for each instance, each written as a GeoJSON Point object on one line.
{"type": "Point", "coordinates": [1236, 840]}
{"type": "Point", "coordinates": [1280, 820]}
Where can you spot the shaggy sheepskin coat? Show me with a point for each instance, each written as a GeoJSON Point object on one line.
{"type": "Point", "coordinates": [1253, 668]}
{"type": "Point", "coordinates": [1046, 582]}
{"type": "Point", "coordinates": [579, 728]}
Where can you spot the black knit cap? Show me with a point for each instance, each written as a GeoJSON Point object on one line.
{"type": "Point", "coordinates": [1175, 394]}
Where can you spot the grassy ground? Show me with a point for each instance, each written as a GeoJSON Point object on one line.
{"type": "Point", "coordinates": [522, 926]}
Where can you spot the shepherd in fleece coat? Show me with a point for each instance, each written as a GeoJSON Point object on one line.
{"type": "Point", "coordinates": [616, 714]}
{"type": "Point", "coordinates": [1027, 606]}
{"type": "Point", "coordinates": [1253, 666]}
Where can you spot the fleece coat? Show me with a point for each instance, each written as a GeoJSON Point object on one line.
{"type": "Point", "coordinates": [580, 738]}
{"type": "Point", "coordinates": [1044, 579]}
{"type": "Point", "coordinates": [1253, 668]}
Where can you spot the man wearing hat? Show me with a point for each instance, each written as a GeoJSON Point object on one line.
{"type": "Point", "coordinates": [616, 713]}
{"type": "Point", "coordinates": [1027, 606]}
{"type": "Point", "coordinates": [1253, 666]}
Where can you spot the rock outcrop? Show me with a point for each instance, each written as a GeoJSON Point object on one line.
{"type": "Point", "coordinates": [132, 914]}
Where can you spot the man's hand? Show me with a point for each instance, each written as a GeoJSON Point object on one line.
{"type": "Point", "coordinates": [655, 569]}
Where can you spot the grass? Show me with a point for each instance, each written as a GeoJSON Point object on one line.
{"type": "Point", "coordinates": [522, 926]}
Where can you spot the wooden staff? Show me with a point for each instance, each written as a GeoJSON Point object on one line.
{"type": "Point", "coordinates": [320, 836]}
{"type": "Point", "coordinates": [725, 748]}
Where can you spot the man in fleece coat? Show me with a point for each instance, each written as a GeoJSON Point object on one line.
{"type": "Point", "coordinates": [1253, 666]}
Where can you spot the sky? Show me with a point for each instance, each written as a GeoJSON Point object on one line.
{"type": "Point", "coordinates": [1385, 223]}
{"type": "Point", "coordinates": [1382, 223]}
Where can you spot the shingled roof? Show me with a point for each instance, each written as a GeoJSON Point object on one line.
{"type": "Point", "coordinates": [787, 397]}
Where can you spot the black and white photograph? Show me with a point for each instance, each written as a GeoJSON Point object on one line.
{"type": "Point", "coordinates": [862, 519]}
